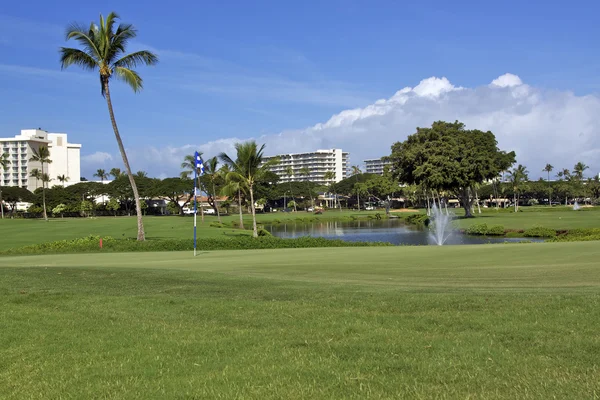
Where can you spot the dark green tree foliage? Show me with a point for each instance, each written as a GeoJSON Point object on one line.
{"type": "Point", "coordinates": [449, 157]}
{"type": "Point", "coordinates": [346, 186]}
{"type": "Point", "coordinates": [173, 189]}
{"type": "Point", "coordinates": [12, 195]}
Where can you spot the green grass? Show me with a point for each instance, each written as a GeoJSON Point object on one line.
{"type": "Point", "coordinates": [23, 232]}
{"type": "Point", "coordinates": [558, 218]}
{"type": "Point", "coordinates": [501, 321]}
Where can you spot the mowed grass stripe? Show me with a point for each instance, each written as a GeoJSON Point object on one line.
{"type": "Point", "coordinates": [511, 265]}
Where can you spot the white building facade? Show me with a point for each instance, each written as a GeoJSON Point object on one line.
{"type": "Point", "coordinates": [318, 163]}
{"type": "Point", "coordinates": [375, 166]}
{"type": "Point", "coordinates": [65, 158]}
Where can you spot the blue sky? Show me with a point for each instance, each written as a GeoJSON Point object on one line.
{"type": "Point", "coordinates": [256, 69]}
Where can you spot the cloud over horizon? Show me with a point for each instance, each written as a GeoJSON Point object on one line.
{"type": "Point", "coordinates": [540, 125]}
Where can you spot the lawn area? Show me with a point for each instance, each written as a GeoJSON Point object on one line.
{"type": "Point", "coordinates": [559, 218]}
{"type": "Point", "coordinates": [23, 232]}
{"type": "Point", "coordinates": [500, 321]}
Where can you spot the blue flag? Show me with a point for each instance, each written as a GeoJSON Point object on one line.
{"type": "Point", "coordinates": [199, 163]}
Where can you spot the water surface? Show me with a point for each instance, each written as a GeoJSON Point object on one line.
{"type": "Point", "coordinates": [390, 230]}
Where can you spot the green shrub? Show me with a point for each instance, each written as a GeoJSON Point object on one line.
{"type": "Point", "coordinates": [539, 231]}
{"type": "Point", "coordinates": [496, 230]}
{"type": "Point", "coordinates": [477, 229]}
{"type": "Point", "coordinates": [216, 224]}
{"type": "Point", "coordinates": [91, 244]}
{"type": "Point", "coordinates": [264, 232]}
{"type": "Point", "coordinates": [578, 235]}
{"type": "Point", "coordinates": [417, 219]}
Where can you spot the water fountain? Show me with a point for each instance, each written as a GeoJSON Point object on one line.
{"type": "Point", "coordinates": [439, 225]}
{"type": "Point", "coordinates": [576, 206]}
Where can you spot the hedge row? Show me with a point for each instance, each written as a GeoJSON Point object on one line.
{"type": "Point", "coordinates": [90, 244]}
{"type": "Point", "coordinates": [578, 235]}
{"type": "Point", "coordinates": [483, 229]}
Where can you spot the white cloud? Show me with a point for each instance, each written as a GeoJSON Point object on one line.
{"type": "Point", "coordinates": [540, 125]}
{"type": "Point", "coordinates": [507, 80]}
{"type": "Point", "coordinates": [98, 158]}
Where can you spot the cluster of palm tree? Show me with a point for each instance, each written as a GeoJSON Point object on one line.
{"type": "Point", "coordinates": [240, 173]}
{"type": "Point", "coordinates": [41, 155]}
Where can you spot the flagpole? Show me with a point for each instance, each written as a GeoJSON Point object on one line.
{"type": "Point", "coordinates": [195, 204]}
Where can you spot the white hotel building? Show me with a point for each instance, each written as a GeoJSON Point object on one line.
{"type": "Point", "coordinates": [65, 158]}
{"type": "Point", "coordinates": [318, 163]}
{"type": "Point", "coordinates": [375, 166]}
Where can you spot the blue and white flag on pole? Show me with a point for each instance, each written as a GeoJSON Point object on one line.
{"type": "Point", "coordinates": [199, 163]}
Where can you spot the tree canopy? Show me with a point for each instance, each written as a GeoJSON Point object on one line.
{"type": "Point", "coordinates": [449, 157]}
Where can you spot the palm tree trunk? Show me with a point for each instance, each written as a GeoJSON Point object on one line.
{"type": "Point", "coordinates": [215, 201]}
{"type": "Point", "coordinates": [44, 195]}
{"type": "Point", "coordinates": [240, 209]}
{"type": "Point", "coordinates": [140, 224]}
{"type": "Point", "coordinates": [254, 230]}
{"type": "Point", "coordinates": [549, 191]}
{"type": "Point", "coordinates": [1, 206]}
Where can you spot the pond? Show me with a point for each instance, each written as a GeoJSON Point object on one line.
{"type": "Point", "coordinates": [392, 230]}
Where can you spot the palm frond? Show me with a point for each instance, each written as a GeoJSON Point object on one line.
{"type": "Point", "coordinates": [86, 39]}
{"type": "Point", "coordinates": [134, 59]}
{"type": "Point", "coordinates": [130, 77]}
{"type": "Point", "coordinates": [121, 37]}
{"type": "Point", "coordinates": [71, 56]}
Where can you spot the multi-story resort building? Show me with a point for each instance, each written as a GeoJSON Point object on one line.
{"type": "Point", "coordinates": [293, 167]}
{"type": "Point", "coordinates": [65, 158]}
{"type": "Point", "coordinates": [375, 166]}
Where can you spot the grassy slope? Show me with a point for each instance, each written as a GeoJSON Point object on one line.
{"type": "Point", "coordinates": [501, 321]}
{"type": "Point", "coordinates": [15, 233]}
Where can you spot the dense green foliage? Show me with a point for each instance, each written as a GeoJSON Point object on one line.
{"type": "Point", "coordinates": [539, 231]}
{"type": "Point", "coordinates": [484, 229]}
{"type": "Point", "coordinates": [449, 157]}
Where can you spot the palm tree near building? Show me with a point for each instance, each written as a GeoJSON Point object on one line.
{"type": "Point", "coordinates": [212, 173]}
{"type": "Point", "coordinates": [579, 169]}
{"type": "Point", "coordinates": [305, 172]}
{"type": "Point", "coordinates": [101, 174]}
{"type": "Point", "coordinates": [233, 188]}
{"type": "Point", "coordinates": [548, 168]}
{"type": "Point", "coordinates": [356, 171]}
{"type": "Point", "coordinates": [289, 172]}
{"type": "Point", "coordinates": [37, 175]}
{"type": "Point", "coordinates": [189, 166]}
{"type": "Point", "coordinates": [42, 155]}
{"type": "Point", "coordinates": [246, 169]}
{"type": "Point", "coordinates": [518, 179]}
{"type": "Point", "coordinates": [115, 172]}
{"type": "Point", "coordinates": [62, 179]}
{"type": "Point", "coordinates": [104, 47]}
{"type": "Point", "coordinates": [329, 176]}
{"type": "Point", "coordinates": [4, 163]}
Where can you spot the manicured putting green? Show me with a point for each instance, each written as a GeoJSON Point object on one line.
{"type": "Point", "coordinates": [500, 321]}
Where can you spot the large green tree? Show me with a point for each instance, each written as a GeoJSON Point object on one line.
{"type": "Point", "coordinates": [42, 155]}
{"type": "Point", "coordinates": [247, 169]}
{"type": "Point", "coordinates": [104, 48]}
{"type": "Point", "coordinates": [446, 156]}
{"type": "Point", "coordinates": [174, 189]}
{"type": "Point", "coordinates": [4, 163]}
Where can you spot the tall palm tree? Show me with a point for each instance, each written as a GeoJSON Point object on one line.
{"type": "Point", "coordinates": [518, 178]}
{"type": "Point", "coordinates": [37, 174]}
{"type": "Point", "coordinates": [247, 170]}
{"type": "Point", "coordinates": [233, 189]}
{"type": "Point", "coordinates": [305, 172]}
{"type": "Point", "coordinates": [289, 172]}
{"type": "Point", "coordinates": [579, 169]}
{"type": "Point", "coordinates": [42, 155]}
{"type": "Point", "coordinates": [356, 171]}
{"type": "Point", "coordinates": [189, 165]}
{"type": "Point", "coordinates": [548, 168]}
{"type": "Point", "coordinates": [4, 163]}
{"type": "Point", "coordinates": [104, 51]}
{"type": "Point", "coordinates": [213, 174]}
{"type": "Point", "coordinates": [62, 179]}
{"type": "Point", "coordinates": [141, 174]}
{"type": "Point", "coordinates": [115, 172]}
{"type": "Point", "coordinates": [101, 174]}
{"type": "Point", "coordinates": [329, 176]}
